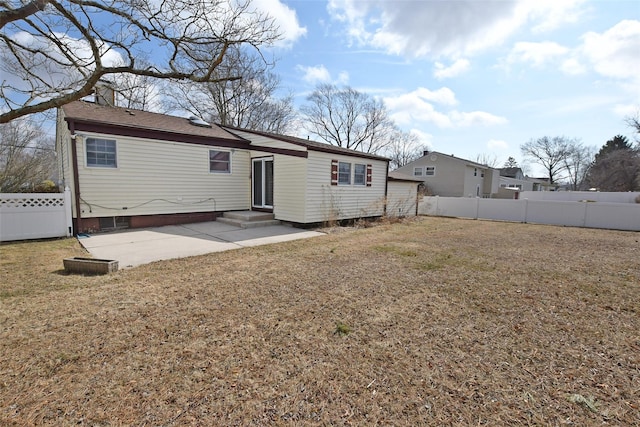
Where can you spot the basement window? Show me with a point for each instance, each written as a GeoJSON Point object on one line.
{"type": "Point", "coordinates": [113, 223]}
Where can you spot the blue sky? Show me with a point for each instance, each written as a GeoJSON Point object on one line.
{"type": "Point", "coordinates": [468, 77]}
{"type": "Point", "coordinates": [473, 77]}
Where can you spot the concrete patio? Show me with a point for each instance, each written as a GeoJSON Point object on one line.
{"type": "Point", "coordinates": [142, 246]}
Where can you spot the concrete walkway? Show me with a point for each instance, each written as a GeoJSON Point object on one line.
{"type": "Point", "coordinates": [136, 247]}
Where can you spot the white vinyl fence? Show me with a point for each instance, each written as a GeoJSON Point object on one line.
{"type": "Point", "coordinates": [576, 196]}
{"type": "Point", "coordinates": [35, 215]}
{"type": "Point", "coordinates": [615, 216]}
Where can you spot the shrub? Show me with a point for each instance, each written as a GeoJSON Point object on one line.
{"type": "Point", "coordinates": [46, 186]}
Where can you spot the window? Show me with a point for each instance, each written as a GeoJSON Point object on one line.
{"type": "Point", "coordinates": [219, 161]}
{"type": "Point", "coordinates": [344, 173]}
{"type": "Point", "coordinates": [430, 170]}
{"type": "Point", "coordinates": [101, 153]}
{"type": "Point", "coordinates": [417, 171]}
{"type": "Point", "coordinates": [359, 174]}
{"type": "Point", "coordinates": [475, 171]}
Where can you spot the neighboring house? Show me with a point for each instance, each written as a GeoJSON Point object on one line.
{"type": "Point", "coordinates": [543, 184]}
{"type": "Point", "coordinates": [131, 168]}
{"type": "Point", "coordinates": [450, 176]}
{"type": "Point", "coordinates": [515, 179]}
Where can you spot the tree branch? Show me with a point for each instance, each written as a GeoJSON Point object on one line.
{"type": "Point", "coordinates": [12, 15]}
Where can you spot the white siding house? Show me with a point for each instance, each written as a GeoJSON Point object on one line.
{"type": "Point", "coordinates": [307, 192]}
{"type": "Point", "coordinates": [450, 176]}
{"type": "Point", "coordinates": [134, 168]}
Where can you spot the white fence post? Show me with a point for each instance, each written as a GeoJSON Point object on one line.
{"type": "Point", "coordinates": [477, 207]}
{"type": "Point", "coordinates": [526, 208]}
{"type": "Point", "coordinates": [67, 211]}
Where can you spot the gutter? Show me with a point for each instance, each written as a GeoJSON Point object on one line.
{"type": "Point", "coordinates": [386, 189]}
{"type": "Point", "coordinates": [76, 179]}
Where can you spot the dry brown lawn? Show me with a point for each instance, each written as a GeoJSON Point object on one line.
{"type": "Point", "coordinates": [429, 322]}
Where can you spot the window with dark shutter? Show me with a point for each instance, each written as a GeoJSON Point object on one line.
{"type": "Point", "coordinates": [334, 172]}
{"type": "Point", "coordinates": [369, 174]}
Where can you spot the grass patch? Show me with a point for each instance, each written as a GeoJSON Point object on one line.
{"type": "Point", "coordinates": [342, 329]}
{"type": "Point", "coordinates": [456, 325]}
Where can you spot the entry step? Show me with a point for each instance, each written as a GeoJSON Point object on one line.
{"type": "Point", "coordinates": [248, 219]}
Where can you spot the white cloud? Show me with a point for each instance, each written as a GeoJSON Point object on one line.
{"type": "Point", "coordinates": [572, 67]}
{"type": "Point", "coordinates": [407, 109]}
{"type": "Point", "coordinates": [476, 118]}
{"type": "Point", "coordinates": [424, 138]}
{"type": "Point", "coordinates": [59, 72]}
{"type": "Point", "coordinates": [552, 14]}
{"type": "Point", "coordinates": [627, 110]}
{"type": "Point", "coordinates": [459, 67]}
{"type": "Point", "coordinates": [343, 78]}
{"type": "Point", "coordinates": [449, 28]}
{"type": "Point", "coordinates": [536, 54]}
{"type": "Point", "coordinates": [616, 52]}
{"type": "Point", "coordinates": [315, 75]}
{"type": "Point", "coordinates": [418, 107]}
{"type": "Point", "coordinates": [496, 144]}
{"type": "Point", "coordinates": [320, 74]}
{"type": "Point", "coordinates": [285, 19]}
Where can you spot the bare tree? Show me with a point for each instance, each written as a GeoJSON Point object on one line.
{"type": "Point", "coordinates": [348, 118]}
{"type": "Point", "coordinates": [26, 156]}
{"type": "Point", "coordinates": [577, 165]}
{"type": "Point", "coordinates": [490, 160]}
{"type": "Point", "coordinates": [404, 148]}
{"type": "Point", "coordinates": [137, 92]}
{"type": "Point", "coordinates": [54, 52]}
{"type": "Point", "coordinates": [618, 170]}
{"type": "Point", "coordinates": [634, 123]}
{"type": "Point", "coordinates": [250, 102]}
{"type": "Point", "coordinates": [550, 153]}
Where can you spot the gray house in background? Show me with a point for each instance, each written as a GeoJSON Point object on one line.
{"type": "Point", "coordinates": [449, 176]}
{"type": "Point", "coordinates": [515, 179]}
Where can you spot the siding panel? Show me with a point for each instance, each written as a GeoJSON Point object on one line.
{"type": "Point", "coordinates": [159, 177]}
{"type": "Point", "coordinates": [401, 198]}
{"type": "Point", "coordinates": [289, 188]}
{"type": "Point", "coordinates": [327, 203]}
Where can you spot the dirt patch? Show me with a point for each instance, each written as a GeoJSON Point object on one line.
{"type": "Point", "coordinates": [430, 322]}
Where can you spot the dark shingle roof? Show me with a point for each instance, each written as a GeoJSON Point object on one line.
{"type": "Point", "coordinates": [130, 118]}
{"type": "Point", "coordinates": [88, 112]}
{"type": "Point", "coordinates": [398, 176]}
{"type": "Point", "coordinates": [311, 145]}
{"type": "Point", "coordinates": [509, 172]}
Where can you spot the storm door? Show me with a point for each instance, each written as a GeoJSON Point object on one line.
{"type": "Point", "coordinates": [262, 186]}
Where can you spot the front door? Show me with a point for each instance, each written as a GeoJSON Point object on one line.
{"type": "Point", "coordinates": [262, 186]}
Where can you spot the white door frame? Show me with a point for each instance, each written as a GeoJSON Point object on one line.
{"type": "Point", "coordinates": [262, 181]}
